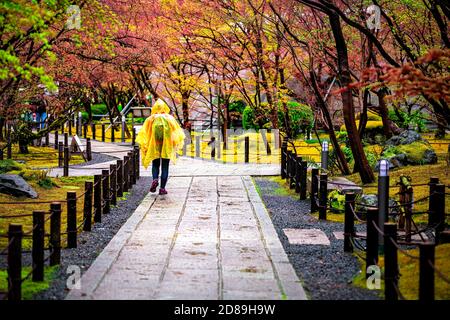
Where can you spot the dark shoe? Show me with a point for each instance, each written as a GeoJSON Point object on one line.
{"type": "Point", "coordinates": [154, 185]}
{"type": "Point", "coordinates": [162, 191]}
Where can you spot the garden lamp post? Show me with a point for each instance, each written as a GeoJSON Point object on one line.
{"type": "Point", "coordinates": [324, 158]}
{"type": "Point", "coordinates": [79, 127]}
{"type": "Point", "coordinates": [123, 127]}
{"type": "Point", "coordinates": [383, 196]}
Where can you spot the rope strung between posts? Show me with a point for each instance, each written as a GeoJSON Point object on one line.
{"type": "Point", "coordinates": [401, 296]}
{"type": "Point", "coordinates": [16, 216]}
{"type": "Point", "coordinates": [80, 226]}
{"type": "Point", "coordinates": [354, 214]}
{"type": "Point", "coordinates": [32, 271]}
{"type": "Point", "coordinates": [439, 273]}
{"type": "Point", "coordinates": [5, 250]}
{"type": "Point", "coordinates": [412, 202]}
{"type": "Point", "coordinates": [33, 202]}
{"type": "Point", "coordinates": [403, 251]}
{"type": "Point", "coordinates": [81, 195]}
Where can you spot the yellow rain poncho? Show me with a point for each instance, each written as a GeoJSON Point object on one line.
{"type": "Point", "coordinates": [161, 136]}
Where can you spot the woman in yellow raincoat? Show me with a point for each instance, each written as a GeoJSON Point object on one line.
{"type": "Point", "coordinates": [159, 139]}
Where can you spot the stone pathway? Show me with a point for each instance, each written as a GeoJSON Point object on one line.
{"type": "Point", "coordinates": [209, 238]}
{"type": "Point", "coordinates": [185, 166]}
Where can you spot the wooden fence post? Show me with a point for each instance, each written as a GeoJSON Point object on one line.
{"type": "Point", "coordinates": [303, 174]}
{"type": "Point", "coordinates": [288, 167]}
{"type": "Point", "coordinates": [120, 178]}
{"type": "Point", "coordinates": [88, 149]}
{"type": "Point", "coordinates": [98, 198]}
{"type": "Point", "coordinates": [60, 154]}
{"type": "Point", "coordinates": [314, 189]}
{"type": "Point", "coordinates": [349, 221]}
{"type": "Point", "coordinates": [113, 183]}
{"type": "Point", "coordinates": [105, 191]}
{"type": "Point", "coordinates": [372, 238]}
{"type": "Point", "coordinates": [247, 149]}
{"type": "Point", "coordinates": [130, 169]}
{"type": "Point", "coordinates": [15, 235]}
{"type": "Point", "coordinates": [432, 201]}
{"type": "Point", "coordinates": [298, 172]}
{"type": "Point", "coordinates": [113, 133]}
{"type": "Point", "coordinates": [126, 167]}
{"type": "Point", "coordinates": [55, 234]}
{"type": "Point", "coordinates": [212, 143]}
{"type": "Point", "coordinates": [133, 136]}
{"type": "Point", "coordinates": [37, 250]}
{"type": "Point", "coordinates": [426, 273]}
{"type": "Point", "coordinates": [87, 210]}
{"type": "Point", "coordinates": [390, 262]}
{"type": "Point", "coordinates": [56, 140]}
{"type": "Point", "coordinates": [103, 132]}
{"type": "Point", "coordinates": [93, 130]}
{"type": "Point", "coordinates": [71, 220]}
{"type": "Point", "coordinates": [85, 127]}
{"type": "Point", "coordinates": [70, 127]}
{"type": "Point", "coordinates": [137, 158]}
{"type": "Point", "coordinates": [323, 196]}
{"type": "Point", "coordinates": [66, 162]}
{"type": "Point", "coordinates": [283, 159]}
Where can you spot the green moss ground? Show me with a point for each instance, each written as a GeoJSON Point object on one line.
{"type": "Point", "coordinates": [30, 288]}
{"type": "Point", "coordinates": [41, 157]}
{"type": "Point", "coordinates": [409, 271]}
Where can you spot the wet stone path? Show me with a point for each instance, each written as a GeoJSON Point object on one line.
{"type": "Point", "coordinates": [209, 238]}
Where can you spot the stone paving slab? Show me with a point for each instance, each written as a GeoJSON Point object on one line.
{"type": "Point", "coordinates": [307, 236]}
{"type": "Point", "coordinates": [195, 243]}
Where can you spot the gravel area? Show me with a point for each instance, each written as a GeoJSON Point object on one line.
{"type": "Point", "coordinates": [326, 271]}
{"type": "Point", "coordinates": [91, 244]}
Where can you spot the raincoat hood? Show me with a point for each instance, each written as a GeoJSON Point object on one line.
{"type": "Point", "coordinates": [160, 107]}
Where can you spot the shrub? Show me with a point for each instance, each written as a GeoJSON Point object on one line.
{"type": "Point", "coordinates": [336, 200]}
{"type": "Point", "coordinates": [404, 119]}
{"type": "Point", "coordinates": [99, 108]}
{"type": "Point", "coordinates": [237, 106]}
{"type": "Point", "coordinates": [300, 115]}
{"type": "Point", "coordinates": [33, 175]}
{"type": "Point", "coordinates": [46, 183]}
{"type": "Point", "coordinates": [248, 118]}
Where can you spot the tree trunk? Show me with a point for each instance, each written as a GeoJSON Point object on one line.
{"type": "Point", "coordinates": [342, 162]}
{"type": "Point", "coordinates": [185, 109]}
{"type": "Point", "coordinates": [361, 162]}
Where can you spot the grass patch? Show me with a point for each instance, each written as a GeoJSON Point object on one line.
{"type": "Point", "coordinates": [419, 174]}
{"type": "Point", "coordinates": [409, 274]}
{"type": "Point", "coordinates": [30, 288]}
{"type": "Point", "coordinates": [56, 193]}
{"type": "Point", "coordinates": [40, 157]}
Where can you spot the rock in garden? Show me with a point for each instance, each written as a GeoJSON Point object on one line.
{"type": "Point", "coordinates": [408, 148]}
{"type": "Point", "coordinates": [406, 137]}
{"type": "Point", "coordinates": [16, 186]}
{"type": "Point", "coordinates": [371, 200]}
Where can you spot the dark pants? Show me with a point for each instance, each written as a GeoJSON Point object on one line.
{"type": "Point", "coordinates": [164, 172]}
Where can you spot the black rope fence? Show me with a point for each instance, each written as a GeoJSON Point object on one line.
{"type": "Point", "coordinates": [98, 196]}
